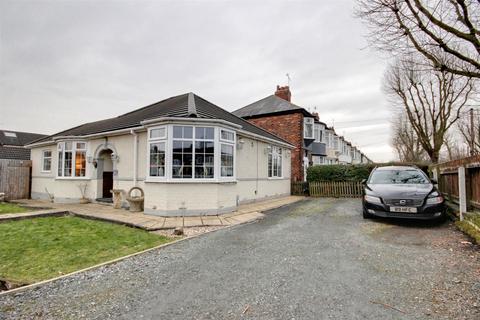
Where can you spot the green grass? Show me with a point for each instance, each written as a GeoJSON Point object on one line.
{"type": "Point", "coordinates": [37, 249]}
{"type": "Point", "coordinates": [6, 207]}
{"type": "Point", "coordinates": [468, 228]}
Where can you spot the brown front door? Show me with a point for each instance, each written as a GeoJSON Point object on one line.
{"type": "Point", "coordinates": [107, 184]}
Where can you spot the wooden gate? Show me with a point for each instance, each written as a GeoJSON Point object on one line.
{"type": "Point", "coordinates": [15, 178]}
{"type": "Point", "coordinates": [336, 189]}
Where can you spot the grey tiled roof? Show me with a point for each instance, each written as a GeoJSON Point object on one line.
{"type": "Point", "coordinates": [15, 153]}
{"type": "Point", "coordinates": [178, 106]}
{"type": "Point", "coordinates": [268, 105]}
{"type": "Point", "coordinates": [17, 138]}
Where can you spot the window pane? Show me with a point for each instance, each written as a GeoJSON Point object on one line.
{"type": "Point", "coordinates": [80, 164]}
{"type": "Point", "coordinates": [67, 166]}
{"type": "Point", "coordinates": [68, 145]}
{"type": "Point", "coordinates": [226, 160]}
{"type": "Point", "coordinates": [227, 135]}
{"type": "Point", "coordinates": [177, 132]}
{"type": "Point", "coordinates": [47, 163]}
{"type": "Point", "coordinates": [209, 147]}
{"type": "Point", "coordinates": [187, 132]}
{"type": "Point", "coordinates": [47, 154]}
{"type": "Point", "coordinates": [199, 133]}
{"type": "Point", "coordinates": [157, 133]}
{"type": "Point", "coordinates": [81, 145]}
{"type": "Point", "coordinates": [60, 164]}
{"type": "Point", "coordinates": [157, 159]}
{"type": "Point", "coordinates": [209, 133]}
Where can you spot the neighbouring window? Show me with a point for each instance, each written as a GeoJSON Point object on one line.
{"type": "Point", "coordinates": [308, 128]}
{"type": "Point", "coordinates": [318, 160]}
{"type": "Point", "coordinates": [274, 162]}
{"type": "Point", "coordinates": [46, 160]}
{"type": "Point", "coordinates": [72, 159]}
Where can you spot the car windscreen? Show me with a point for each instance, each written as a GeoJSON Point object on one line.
{"type": "Point", "coordinates": [398, 177]}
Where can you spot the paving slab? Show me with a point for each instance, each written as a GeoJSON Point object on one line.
{"type": "Point", "coordinates": [105, 212]}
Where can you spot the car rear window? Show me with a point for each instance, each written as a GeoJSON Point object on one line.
{"type": "Point", "coordinates": [398, 177]}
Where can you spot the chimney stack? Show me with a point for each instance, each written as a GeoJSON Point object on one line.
{"type": "Point", "coordinates": [284, 93]}
{"type": "Point", "coordinates": [316, 115]}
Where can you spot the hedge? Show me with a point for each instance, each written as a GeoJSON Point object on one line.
{"type": "Point", "coordinates": [356, 172]}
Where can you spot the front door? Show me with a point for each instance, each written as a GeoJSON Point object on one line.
{"type": "Point", "coordinates": [107, 184]}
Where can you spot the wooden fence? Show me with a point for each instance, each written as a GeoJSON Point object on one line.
{"type": "Point", "coordinates": [336, 189]}
{"type": "Point", "coordinates": [447, 174]}
{"type": "Point", "coordinates": [15, 178]}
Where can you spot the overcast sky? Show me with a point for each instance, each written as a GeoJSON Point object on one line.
{"type": "Point", "coordinates": [63, 63]}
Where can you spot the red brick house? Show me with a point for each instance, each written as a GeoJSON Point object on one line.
{"type": "Point", "coordinates": [278, 115]}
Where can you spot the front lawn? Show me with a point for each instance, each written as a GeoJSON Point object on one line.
{"type": "Point", "coordinates": [36, 249]}
{"type": "Point", "coordinates": [6, 207]}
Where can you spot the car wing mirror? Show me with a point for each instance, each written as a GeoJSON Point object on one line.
{"type": "Point", "coordinates": [434, 181]}
{"type": "Point", "coordinates": [364, 181]}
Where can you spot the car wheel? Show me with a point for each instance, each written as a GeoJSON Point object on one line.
{"type": "Point", "coordinates": [366, 215]}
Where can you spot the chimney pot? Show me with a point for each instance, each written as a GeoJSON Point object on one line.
{"type": "Point", "coordinates": [284, 93]}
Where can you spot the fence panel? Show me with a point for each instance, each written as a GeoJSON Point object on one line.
{"type": "Point", "coordinates": [15, 178]}
{"type": "Point", "coordinates": [336, 189]}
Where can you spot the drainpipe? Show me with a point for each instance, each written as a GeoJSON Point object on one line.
{"type": "Point", "coordinates": [135, 151]}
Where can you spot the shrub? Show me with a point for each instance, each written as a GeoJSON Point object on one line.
{"type": "Point", "coordinates": [356, 172]}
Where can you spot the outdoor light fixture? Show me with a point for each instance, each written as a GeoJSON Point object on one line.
{"type": "Point", "coordinates": [240, 144]}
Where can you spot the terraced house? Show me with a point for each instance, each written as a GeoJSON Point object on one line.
{"type": "Point", "coordinates": [315, 143]}
{"type": "Point", "coordinates": [187, 154]}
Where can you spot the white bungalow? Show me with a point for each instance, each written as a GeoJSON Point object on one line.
{"type": "Point", "coordinates": [188, 155]}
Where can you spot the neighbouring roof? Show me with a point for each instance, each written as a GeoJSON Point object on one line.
{"type": "Point", "coordinates": [14, 153]}
{"type": "Point", "coordinates": [187, 105]}
{"type": "Point", "coordinates": [269, 105]}
{"type": "Point", "coordinates": [17, 138]}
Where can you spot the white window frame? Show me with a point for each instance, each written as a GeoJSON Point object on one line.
{"type": "Point", "coordinates": [227, 142]}
{"type": "Point", "coordinates": [61, 147]}
{"type": "Point", "coordinates": [308, 122]}
{"type": "Point", "coordinates": [168, 139]}
{"type": "Point", "coordinates": [49, 158]}
{"type": "Point", "coordinates": [276, 153]}
{"type": "Point", "coordinates": [160, 139]}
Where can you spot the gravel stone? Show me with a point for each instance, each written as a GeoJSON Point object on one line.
{"type": "Point", "coordinates": [316, 259]}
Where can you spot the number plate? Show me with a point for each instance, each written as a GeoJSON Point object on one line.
{"type": "Point", "coordinates": [403, 209]}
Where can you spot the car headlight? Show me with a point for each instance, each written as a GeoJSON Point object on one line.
{"type": "Point", "coordinates": [435, 200]}
{"type": "Point", "coordinates": [373, 199]}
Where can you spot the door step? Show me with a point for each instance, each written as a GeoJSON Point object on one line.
{"type": "Point", "coordinates": [104, 200]}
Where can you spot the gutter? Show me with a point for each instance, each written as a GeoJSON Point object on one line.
{"type": "Point", "coordinates": [150, 122]}
{"type": "Point", "coordinates": [93, 135]}
{"type": "Point", "coordinates": [135, 156]}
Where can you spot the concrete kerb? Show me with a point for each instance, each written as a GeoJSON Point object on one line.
{"type": "Point", "coordinates": [34, 285]}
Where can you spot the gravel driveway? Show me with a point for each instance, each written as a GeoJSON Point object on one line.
{"type": "Point", "coordinates": [316, 259]}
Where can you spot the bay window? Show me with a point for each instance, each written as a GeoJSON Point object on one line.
{"type": "Point", "coordinates": [190, 152]}
{"type": "Point", "coordinates": [308, 128]}
{"type": "Point", "coordinates": [71, 159]}
{"type": "Point", "coordinates": [275, 162]}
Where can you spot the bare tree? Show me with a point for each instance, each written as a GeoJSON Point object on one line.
{"type": "Point", "coordinates": [453, 149]}
{"type": "Point", "coordinates": [469, 128]}
{"type": "Point", "coordinates": [405, 140]}
{"type": "Point", "coordinates": [445, 32]}
{"type": "Point", "coordinates": [432, 101]}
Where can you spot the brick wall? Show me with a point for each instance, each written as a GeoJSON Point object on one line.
{"type": "Point", "coordinates": [290, 128]}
